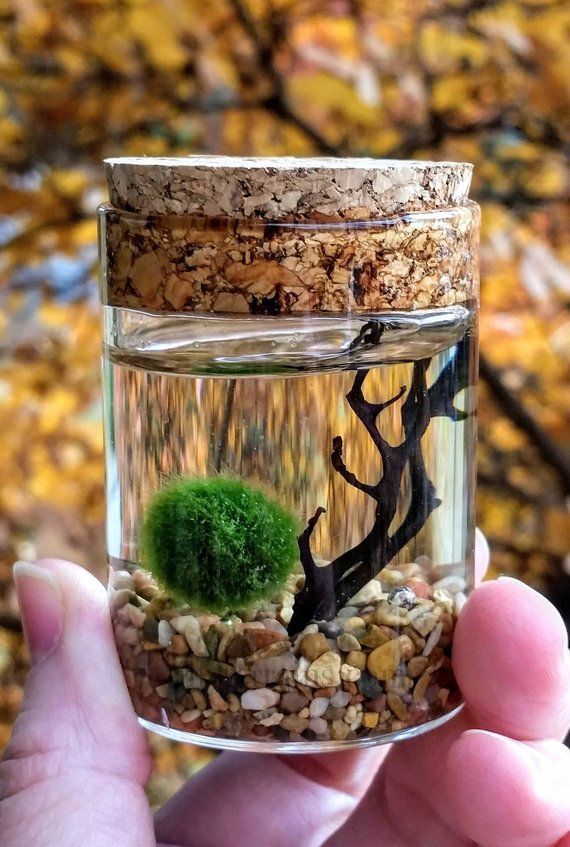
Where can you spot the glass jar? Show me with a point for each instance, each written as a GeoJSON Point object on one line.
{"type": "Point", "coordinates": [289, 381]}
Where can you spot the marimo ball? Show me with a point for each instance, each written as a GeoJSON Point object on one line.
{"type": "Point", "coordinates": [218, 543]}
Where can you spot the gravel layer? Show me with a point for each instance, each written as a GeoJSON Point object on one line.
{"type": "Point", "coordinates": [382, 665]}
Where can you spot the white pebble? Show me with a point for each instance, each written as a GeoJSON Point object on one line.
{"type": "Point", "coordinates": [182, 621]}
{"type": "Point", "coordinates": [189, 716]}
{"type": "Point", "coordinates": [434, 637]}
{"type": "Point", "coordinates": [347, 612]}
{"type": "Point", "coordinates": [318, 725]}
{"type": "Point", "coordinates": [459, 601]}
{"type": "Point", "coordinates": [340, 699]}
{"type": "Point", "coordinates": [131, 636]}
{"type": "Point", "coordinates": [275, 626]}
{"type": "Point", "coordinates": [196, 642]}
{"type": "Point", "coordinates": [318, 706]}
{"type": "Point", "coordinates": [371, 592]}
{"type": "Point", "coordinates": [301, 673]}
{"type": "Point", "coordinates": [165, 633]}
{"type": "Point", "coordinates": [349, 673]}
{"type": "Point", "coordinates": [122, 579]}
{"type": "Point", "coordinates": [256, 699]}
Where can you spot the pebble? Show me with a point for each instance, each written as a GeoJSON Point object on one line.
{"type": "Point", "coordinates": [178, 645]}
{"type": "Point", "coordinates": [314, 645]}
{"type": "Point", "coordinates": [390, 615]}
{"type": "Point", "coordinates": [325, 670]}
{"type": "Point", "coordinates": [272, 720]}
{"type": "Point", "coordinates": [190, 716]}
{"type": "Point", "coordinates": [348, 642]}
{"type": "Point", "coordinates": [192, 680]}
{"type": "Point", "coordinates": [165, 633]}
{"type": "Point", "coordinates": [330, 628]}
{"type": "Point", "coordinates": [199, 700]}
{"type": "Point", "coordinates": [370, 719]}
{"type": "Point", "coordinates": [458, 602]}
{"type": "Point", "coordinates": [354, 624]}
{"type": "Point", "coordinates": [425, 622]}
{"type": "Point", "coordinates": [357, 659]}
{"type": "Point", "coordinates": [158, 668]}
{"type": "Point", "coordinates": [274, 625]}
{"type": "Point", "coordinates": [318, 706]}
{"type": "Point", "coordinates": [121, 597]}
{"type": "Point", "coordinates": [421, 687]}
{"type": "Point", "coordinates": [402, 596]}
{"type": "Point", "coordinates": [301, 673]}
{"type": "Point", "coordinates": [378, 704]}
{"type": "Point", "coordinates": [417, 665]}
{"type": "Point", "coordinates": [196, 642]}
{"type": "Point", "coordinates": [391, 576]}
{"type": "Point", "coordinates": [397, 705]}
{"type": "Point", "coordinates": [347, 612]}
{"type": "Point", "coordinates": [433, 639]}
{"type": "Point", "coordinates": [123, 579]}
{"type": "Point", "coordinates": [136, 616]}
{"type": "Point", "coordinates": [369, 686]}
{"type": "Point", "coordinates": [370, 593]}
{"type": "Point", "coordinates": [383, 661]}
{"type": "Point", "coordinates": [349, 673]}
{"type": "Point", "coordinates": [339, 730]}
{"type": "Point", "coordinates": [420, 588]}
{"type": "Point", "coordinates": [294, 723]}
{"type": "Point", "coordinates": [217, 702]}
{"type": "Point", "coordinates": [150, 629]}
{"type": "Point", "coordinates": [341, 699]}
{"type": "Point", "coordinates": [318, 726]}
{"type": "Point", "coordinates": [452, 584]}
{"type": "Point", "coordinates": [269, 670]}
{"type": "Point", "coordinates": [259, 698]}
{"type": "Point", "coordinates": [292, 702]}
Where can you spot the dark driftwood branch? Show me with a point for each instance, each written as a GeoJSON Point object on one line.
{"type": "Point", "coordinates": [355, 567]}
{"type": "Point", "coordinates": [316, 598]}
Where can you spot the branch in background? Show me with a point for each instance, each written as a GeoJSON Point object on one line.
{"type": "Point", "coordinates": [513, 409]}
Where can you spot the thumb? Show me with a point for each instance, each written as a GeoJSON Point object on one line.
{"type": "Point", "coordinates": [76, 725]}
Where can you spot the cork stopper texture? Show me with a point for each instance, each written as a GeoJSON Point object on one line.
{"type": "Point", "coordinates": [284, 236]}
{"type": "Point", "coordinates": [285, 188]}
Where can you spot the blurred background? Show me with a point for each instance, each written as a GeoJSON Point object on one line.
{"type": "Point", "coordinates": [478, 80]}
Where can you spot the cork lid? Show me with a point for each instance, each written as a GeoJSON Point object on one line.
{"type": "Point", "coordinates": [285, 188]}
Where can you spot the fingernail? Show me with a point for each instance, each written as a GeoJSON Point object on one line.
{"type": "Point", "coordinates": [41, 608]}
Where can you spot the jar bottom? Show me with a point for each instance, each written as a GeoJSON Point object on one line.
{"type": "Point", "coordinates": [296, 747]}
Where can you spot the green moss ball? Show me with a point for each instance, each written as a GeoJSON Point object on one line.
{"type": "Point", "coordinates": [218, 543]}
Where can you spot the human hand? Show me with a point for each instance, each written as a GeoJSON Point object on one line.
{"type": "Point", "coordinates": [497, 775]}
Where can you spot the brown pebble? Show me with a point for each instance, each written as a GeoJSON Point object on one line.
{"type": "Point", "coordinates": [421, 686]}
{"type": "Point", "coordinates": [178, 644]}
{"type": "Point", "coordinates": [238, 648]}
{"type": "Point", "coordinates": [324, 692]}
{"type": "Point", "coordinates": [415, 637]}
{"type": "Point", "coordinates": [417, 665]}
{"type": "Point", "coordinates": [313, 645]}
{"type": "Point", "coordinates": [293, 723]}
{"type": "Point", "coordinates": [378, 704]}
{"type": "Point", "coordinates": [292, 702]}
{"type": "Point", "coordinates": [398, 706]}
{"type": "Point", "coordinates": [158, 669]}
{"type": "Point", "coordinates": [199, 699]}
{"type": "Point", "coordinates": [233, 702]}
{"type": "Point", "coordinates": [260, 638]}
{"type": "Point", "coordinates": [357, 659]}
{"type": "Point", "coordinates": [217, 702]}
{"type": "Point", "coordinates": [378, 635]}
